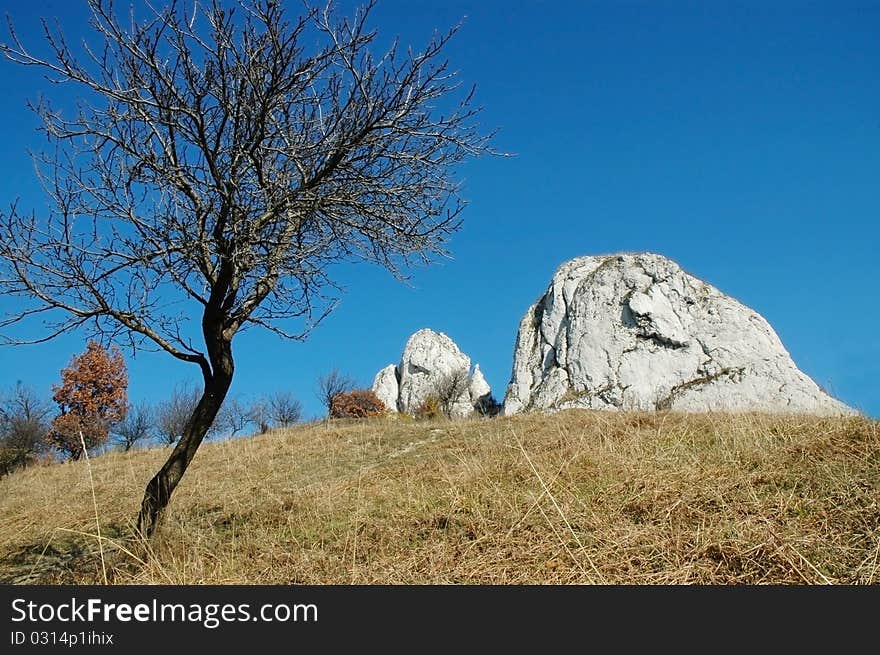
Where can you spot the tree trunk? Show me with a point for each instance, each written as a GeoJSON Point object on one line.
{"type": "Point", "coordinates": [159, 490]}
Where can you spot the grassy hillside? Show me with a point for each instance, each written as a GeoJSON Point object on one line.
{"type": "Point", "coordinates": [578, 497]}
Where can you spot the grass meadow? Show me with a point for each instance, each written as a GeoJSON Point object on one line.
{"type": "Point", "coordinates": [571, 498]}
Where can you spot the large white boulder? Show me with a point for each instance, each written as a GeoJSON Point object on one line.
{"type": "Point", "coordinates": [636, 332]}
{"type": "Point", "coordinates": [430, 361]}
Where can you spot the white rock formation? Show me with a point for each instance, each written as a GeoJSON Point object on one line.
{"type": "Point", "coordinates": [482, 400]}
{"type": "Point", "coordinates": [478, 387]}
{"type": "Point", "coordinates": [430, 358]}
{"type": "Point", "coordinates": [386, 387]}
{"type": "Point", "coordinates": [634, 331]}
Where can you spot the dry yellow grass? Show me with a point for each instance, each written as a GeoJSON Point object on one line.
{"type": "Point", "coordinates": [577, 497]}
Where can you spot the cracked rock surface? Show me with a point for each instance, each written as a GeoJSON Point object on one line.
{"type": "Point", "coordinates": [428, 358]}
{"type": "Point", "coordinates": [636, 332]}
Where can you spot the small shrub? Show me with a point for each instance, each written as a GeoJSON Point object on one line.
{"type": "Point", "coordinates": [430, 408]}
{"type": "Point", "coordinates": [487, 406]}
{"type": "Point", "coordinates": [13, 458]}
{"type": "Point", "coordinates": [360, 403]}
{"type": "Point", "coordinates": [450, 388]}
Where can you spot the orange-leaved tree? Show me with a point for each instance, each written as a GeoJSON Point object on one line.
{"type": "Point", "coordinates": [91, 397]}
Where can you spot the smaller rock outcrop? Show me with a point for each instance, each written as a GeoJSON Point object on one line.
{"type": "Point", "coordinates": [386, 386]}
{"type": "Point", "coordinates": [432, 365]}
{"type": "Point", "coordinates": [478, 388]}
{"type": "Point", "coordinates": [481, 394]}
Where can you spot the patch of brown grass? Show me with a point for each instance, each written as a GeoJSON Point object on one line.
{"type": "Point", "coordinates": [576, 497]}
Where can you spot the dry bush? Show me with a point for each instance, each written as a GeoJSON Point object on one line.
{"type": "Point", "coordinates": [13, 458]}
{"type": "Point", "coordinates": [488, 406]}
{"type": "Point", "coordinates": [360, 403]}
{"type": "Point", "coordinates": [449, 388]}
{"type": "Point", "coordinates": [430, 408]}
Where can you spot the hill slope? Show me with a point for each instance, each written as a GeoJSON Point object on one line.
{"type": "Point", "coordinates": [576, 497]}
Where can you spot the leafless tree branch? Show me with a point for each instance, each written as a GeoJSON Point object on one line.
{"type": "Point", "coordinates": [215, 165]}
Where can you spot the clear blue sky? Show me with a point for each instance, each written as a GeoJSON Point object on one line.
{"type": "Point", "coordinates": [740, 139]}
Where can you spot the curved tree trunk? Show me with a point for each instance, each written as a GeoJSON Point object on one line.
{"type": "Point", "coordinates": [159, 490]}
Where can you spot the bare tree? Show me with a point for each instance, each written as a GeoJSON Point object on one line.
{"type": "Point", "coordinates": [232, 418]}
{"type": "Point", "coordinates": [24, 424]}
{"type": "Point", "coordinates": [450, 387]}
{"type": "Point", "coordinates": [136, 426]}
{"type": "Point", "coordinates": [284, 409]}
{"type": "Point", "coordinates": [218, 161]}
{"type": "Point", "coordinates": [259, 413]}
{"type": "Point", "coordinates": [173, 413]}
{"type": "Point", "coordinates": [280, 410]}
{"type": "Point", "coordinates": [331, 385]}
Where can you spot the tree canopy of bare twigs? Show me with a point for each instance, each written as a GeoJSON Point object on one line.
{"type": "Point", "coordinates": [220, 158]}
{"type": "Point", "coordinates": [233, 418]}
{"type": "Point", "coordinates": [137, 426]}
{"type": "Point", "coordinates": [173, 413]}
{"type": "Point", "coordinates": [24, 424]}
{"type": "Point", "coordinates": [450, 388]}
{"type": "Point", "coordinates": [279, 410]}
{"type": "Point", "coordinates": [284, 409]}
{"type": "Point", "coordinates": [331, 385]}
